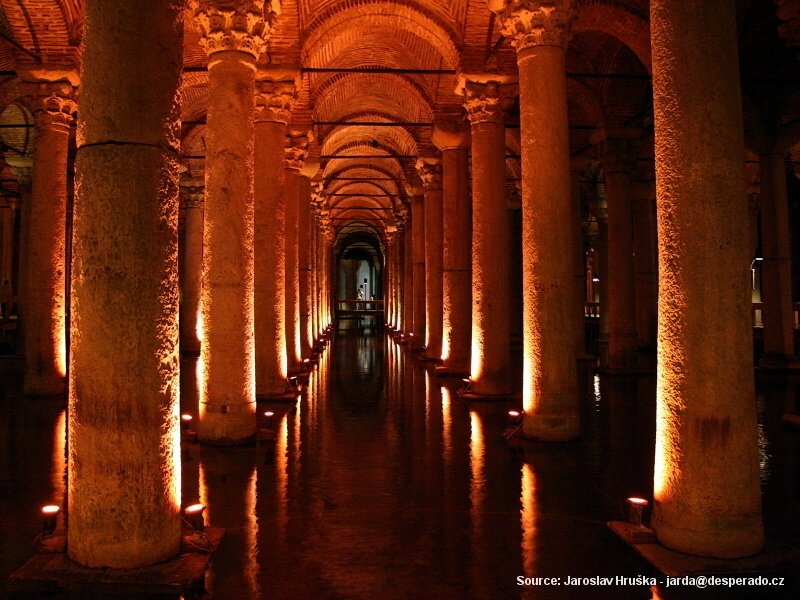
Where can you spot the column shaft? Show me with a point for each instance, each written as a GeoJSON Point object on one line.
{"type": "Point", "coordinates": [418, 270]}
{"type": "Point", "coordinates": [124, 455]}
{"type": "Point", "coordinates": [776, 267]}
{"type": "Point", "coordinates": [457, 273]}
{"type": "Point", "coordinates": [430, 172]}
{"type": "Point", "coordinates": [490, 352]}
{"type": "Point", "coordinates": [192, 267]}
{"type": "Point", "coordinates": [291, 194]}
{"type": "Point", "coordinates": [227, 390]}
{"type": "Point", "coordinates": [706, 485]}
{"type": "Point", "coordinates": [45, 325]}
{"type": "Point", "coordinates": [305, 241]}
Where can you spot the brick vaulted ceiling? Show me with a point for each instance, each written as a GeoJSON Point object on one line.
{"type": "Point", "coordinates": [395, 64]}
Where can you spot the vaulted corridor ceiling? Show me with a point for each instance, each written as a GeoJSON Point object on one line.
{"type": "Point", "coordinates": [375, 76]}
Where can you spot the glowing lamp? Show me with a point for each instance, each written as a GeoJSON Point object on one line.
{"type": "Point", "coordinates": [514, 417]}
{"type": "Point", "coordinates": [186, 421]}
{"type": "Point", "coordinates": [49, 517]}
{"type": "Point", "coordinates": [269, 414]}
{"type": "Point", "coordinates": [193, 515]}
{"type": "Point", "coordinates": [635, 508]}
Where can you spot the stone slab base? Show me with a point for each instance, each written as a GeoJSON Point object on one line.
{"type": "Point", "coordinates": [774, 559]}
{"type": "Point", "coordinates": [445, 371]}
{"type": "Point", "coordinates": [779, 362]}
{"type": "Point", "coordinates": [791, 420]}
{"type": "Point", "coordinates": [53, 573]}
{"type": "Point", "coordinates": [287, 396]}
{"type": "Point", "coordinates": [470, 395]}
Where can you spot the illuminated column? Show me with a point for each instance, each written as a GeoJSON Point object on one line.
{"type": "Point", "coordinates": [227, 355]}
{"type": "Point", "coordinates": [305, 244]}
{"type": "Point", "coordinates": [53, 109]}
{"type": "Point", "coordinates": [776, 267]}
{"type": "Point", "coordinates": [418, 269]}
{"type": "Point", "coordinates": [124, 429]}
{"type": "Point", "coordinates": [408, 279]}
{"type": "Point", "coordinates": [646, 268]}
{"type": "Point", "coordinates": [317, 202]}
{"type": "Point", "coordinates": [706, 482]}
{"type": "Point", "coordinates": [192, 265]}
{"type": "Point", "coordinates": [430, 172]}
{"type": "Point", "coordinates": [539, 31]}
{"type": "Point", "coordinates": [619, 160]}
{"type": "Point", "coordinates": [491, 346]}
{"type": "Point", "coordinates": [392, 239]}
{"type": "Point", "coordinates": [294, 156]}
{"type": "Point", "coordinates": [456, 279]}
{"type": "Point", "coordinates": [274, 103]}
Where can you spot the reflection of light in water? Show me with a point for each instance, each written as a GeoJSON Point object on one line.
{"type": "Point", "coordinates": [528, 520]}
{"type": "Point", "coordinates": [296, 440]}
{"type": "Point", "coordinates": [763, 455]}
{"type": "Point", "coordinates": [282, 475]}
{"type": "Point", "coordinates": [251, 568]}
{"type": "Point", "coordinates": [428, 386]}
{"type": "Point", "coordinates": [447, 439]}
{"type": "Point", "coordinates": [59, 458]}
{"type": "Point", "coordinates": [597, 396]}
{"type": "Point", "coordinates": [202, 492]}
{"type": "Point", "coordinates": [476, 456]}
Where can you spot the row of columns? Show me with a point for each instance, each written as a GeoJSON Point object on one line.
{"type": "Point", "coordinates": [124, 329]}
{"type": "Point", "coordinates": [706, 414]}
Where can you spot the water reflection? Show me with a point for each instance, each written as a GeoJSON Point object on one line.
{"type": "Point", "coordinates": [382, 483]}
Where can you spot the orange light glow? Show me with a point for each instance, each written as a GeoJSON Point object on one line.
{"type": "Point", "coordinates": [50, 509]}
{"type": "Point", "coordinates": [61, 350]}
{"type": "Point", "coordinates": [447, 426]}
{"type": "Point", "coordinates": [282, 475]}
{"type": "Point", "coordinates": [528, 520]}
{"type": "Point", "coordinates": [58, 472]}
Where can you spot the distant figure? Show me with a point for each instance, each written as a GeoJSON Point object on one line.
{"type": "Point", "coordinates": [359, 296]}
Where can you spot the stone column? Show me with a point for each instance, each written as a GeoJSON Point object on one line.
{"type": "Point", "coordinates": [618, 148]}
{"type": "Point", "coordinates": [776, 267]}
{"type": "Point", "coordinates": [53, 109]}
{"type": "Point", "coordinates": [646, 271]}
{"type": "Point", "coordinates": [430, 172]}
{"type": "Point", "coordinates": [124, 427]}
{"type": "Point", "coordinates": [7, 218]}
{"type": "Point", "coordinates": [540, 31]}
{"type": "Point", "coordinates": [408, 279]}
{"type": "Point", "coordinates": [233, 36]}
{"type": "Point", "coordinates": [192, 265]}
{"type": "Point", "coordinates": [418, 270]}
{"type": "Point", "coordinates": [274, 103]}
{"type": "Point", "coordinates": [305, 243]}
{"type": "Point", "coordinates": [490, 373]}
{"type": "Point", "coordinates": [294, 156]}
{"type": "Point", "coordinates": [317, 201]}
{"type": "Point", "coordinates": [706, 484]}
{"type": "Point", "coordinates": [22, 169]}
{"type": "Point", "coordinates": [457, 236]}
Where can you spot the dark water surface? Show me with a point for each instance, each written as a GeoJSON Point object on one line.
{"type": "Point", "coordinates": [384, 483]}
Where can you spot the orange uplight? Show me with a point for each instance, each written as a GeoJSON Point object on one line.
{"type": "Point", "coordinates": [194, 516]}
{"type": "Point", "coordinates": [49, 519]}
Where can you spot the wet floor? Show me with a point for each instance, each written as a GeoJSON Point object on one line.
{"type": "Point", "coordinates": [383, 483]}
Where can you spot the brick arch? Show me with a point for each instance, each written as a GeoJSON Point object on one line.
{"type": "Point", "coordinates": [361, 92]}
{"type": "Point", "coordinates": [397, 139]}
{"type": "Point", "coordinates": [44, 26]}
{"type": "Point", "coordinates": [331, 31]}
{"type": "Point", "coordinates": [623, 24]}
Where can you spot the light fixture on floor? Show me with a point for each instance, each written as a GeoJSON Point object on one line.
{"type": "Point", "coordinates": [269, 414]}
{"type": "Point", "coordinates": [186, 422]}
{"type": "Point", "coordinates": [49, 519]}
{"type": "Point", "coordinates": [514, 418]}
{"type": "Point", "coordinates": [635, 508]}
{"type": "Point", "coordinates": [193, 516]}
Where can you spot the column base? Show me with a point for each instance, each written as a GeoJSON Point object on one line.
{"type": "Point", "coordinates": [445, 370]}
{"type": "Point", "coordinates": [289, 395]}
{"type": "Point", "coordinates": [779, 362]}
{"type": "Point", "coordinates": [430, 359]}
{"type": "Point", "coordinates": [50, 570]}
{"type": "Point", "coordinates": [552, 427]}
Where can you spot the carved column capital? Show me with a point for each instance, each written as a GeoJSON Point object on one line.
{"type": "Point", "coordinates": [275, 101]}
{"type": "Point", "coordinates": [295, 151]}
{"type": "Point", "coordinates": [242, 26]}
{"type": "Point", "coordinates": [448, 136]}
{"type": "Point", "coordinates": [430, 172]}
{"type": "Point", "coordinates": [53, 104]}
{"type": "Point", "coordinates": [531, 23]}
{"type": "Point", "coordinates": [485, 101]}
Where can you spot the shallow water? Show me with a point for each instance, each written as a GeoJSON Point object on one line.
{"type": "Point", "coordinates": [384, 483]}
